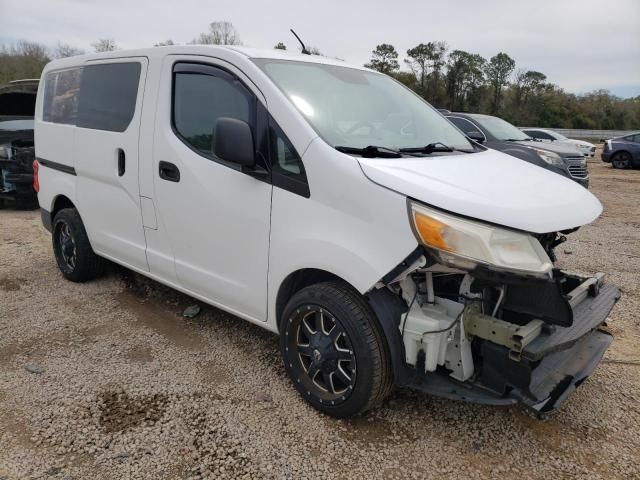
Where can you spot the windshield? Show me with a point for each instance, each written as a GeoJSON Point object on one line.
{"type": "Point", "coordinates": [14, 125]}
{"type": "Point", "coordinates": [357, 108]}
{"type": "Point", "coordinates": [557, 136]}
{"type": "Point", "coordinates": [500, 129]}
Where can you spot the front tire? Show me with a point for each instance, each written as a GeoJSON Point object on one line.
{"type": "Point", "coordinates": [621, 160]}
{"type": "Point", "coordinates": [74, 255]}
{"type": "Point", "coordinates": [334, 350]}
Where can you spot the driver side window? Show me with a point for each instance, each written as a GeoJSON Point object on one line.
{"type": "Point", "coordinates": [201, 95]}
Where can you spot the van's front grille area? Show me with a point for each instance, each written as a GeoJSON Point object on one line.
{"type": "Point", "coordinates": [577, 167]}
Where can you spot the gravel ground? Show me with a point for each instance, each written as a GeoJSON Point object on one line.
{"type": "Point", "coordinates": [108, 380]}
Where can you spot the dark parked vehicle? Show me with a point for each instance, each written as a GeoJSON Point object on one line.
{"type": "Point", "coordinates": [498, 134]}
{"type": "Point", "coordinates": [17, 153]}
{"type": "Point", "coordinates": [623, 152]}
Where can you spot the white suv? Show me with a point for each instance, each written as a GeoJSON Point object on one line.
{"type": "Point", "coordinates": [327, 203]}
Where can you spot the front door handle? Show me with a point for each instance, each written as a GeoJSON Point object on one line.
{"type": "Point", "coordinates": [168, 171]}
{"type": "Point", "coordinates": [121, 162]}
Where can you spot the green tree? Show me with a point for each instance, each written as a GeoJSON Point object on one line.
{"type": "Point", "coordinates": [498, 70]}
{"type": "Point", "coordinates": [464, 79]}
{"type": "Point", "coordinates": [426, 61]}
{"type": "Point", "coordinates": [280, 46]}
{"type": "Point", "coordinates": [384, 59]}
{"type": "Point", "coordinates": [408, 79]}
{"type": "Point", "coordinates": [526, 97]}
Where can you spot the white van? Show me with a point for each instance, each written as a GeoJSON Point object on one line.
{"type": "Point", "coordinates": [327, 203]}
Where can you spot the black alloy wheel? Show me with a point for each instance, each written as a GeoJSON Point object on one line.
{"type": "Point", "coordinates": [66, 246]}
{"type": "Point", "coordinates": [324, 352]}
{"type": "Point", "coordinates": [72, 249]}
{"type": "Point", "coordinates": [334, 350]}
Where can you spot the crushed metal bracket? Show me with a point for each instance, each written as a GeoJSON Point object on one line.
{"type": "Point", "coordinates": [514, 337]}
{"type": "Point", "coordinates": [590, 287]}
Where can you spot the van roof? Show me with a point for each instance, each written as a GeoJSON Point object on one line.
{"type": "Point", "coordinates": [203, 50]}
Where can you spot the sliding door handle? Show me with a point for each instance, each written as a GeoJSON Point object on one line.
{"type": "Point", "coordinates": [121, 162]}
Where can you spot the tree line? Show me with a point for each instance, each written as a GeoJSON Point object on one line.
{"type": "Point", "coordinates": [456, 80]}
{"type": "Point", "coordinates": [26, 59]}
{"type": "Point", "coordinates": [462, 81]}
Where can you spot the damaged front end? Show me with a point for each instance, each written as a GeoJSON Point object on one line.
{"type": "Point", "coordinates": [17, 149]}
{"type": "Point", "coordinates": [491, 322]}
{"type": "Point", "coordinates": [16, 169]}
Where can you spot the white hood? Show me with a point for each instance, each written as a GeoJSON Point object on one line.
{"type": "Point", "coordinates": [489, 186]}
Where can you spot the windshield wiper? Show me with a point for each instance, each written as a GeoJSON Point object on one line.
{"type": "Point", "coordinates": [371, 151]}
{"type": "Point", "coordinates": [430, 148]}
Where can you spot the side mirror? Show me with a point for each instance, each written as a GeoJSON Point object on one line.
{"type": "Point", "coordinates": [476, 136]}
{"type": "Point", "coordinates": [233, 142]}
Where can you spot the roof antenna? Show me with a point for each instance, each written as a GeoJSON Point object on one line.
{"type": "Point", "coordinates": [304, 49]}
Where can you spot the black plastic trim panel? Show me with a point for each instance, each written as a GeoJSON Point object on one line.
{"type": "Point", "coordinates": [588, 314]}
{"type": "Point", "coordinates": [45, 215]}
{"type": "Point", "coordinates": [57, 166]}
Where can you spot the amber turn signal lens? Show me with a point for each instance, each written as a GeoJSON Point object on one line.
{"type": "Point", "coordinates": [431, 231]}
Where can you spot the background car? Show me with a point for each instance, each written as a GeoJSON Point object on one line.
{"type": "Point", "coordinates": [546, 135]}
{"type": "Point", "coordinates": [622, 152]}
{"type": "Point", "coordinates": [500, 135]}
{"type": "Point", "coordinates": [17, 152]}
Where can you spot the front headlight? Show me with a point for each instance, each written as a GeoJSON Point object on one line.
{"type": "Point", "coordinates": [466, 244]}
{"type": "Point", "coordinates": [551, 158]}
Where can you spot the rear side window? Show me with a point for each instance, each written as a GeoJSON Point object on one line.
{"type": "Point", "coordinates": [201, 95]}
{"type": "Point", "coordinates": [61, 96]}
{"type": "Point", "coordinates": [107, 99]}
{"type": "Point", "coordinates": [101, 97]}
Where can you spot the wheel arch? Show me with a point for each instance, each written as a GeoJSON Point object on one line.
{"type": "Point", "coordinates": [296, 281]}
{"type": "Point", "coordinates": [618, 152]}
{"type": "Point", "coordinates": [59, 202]}
{"type": "Point", "coordinates": [386, 307]}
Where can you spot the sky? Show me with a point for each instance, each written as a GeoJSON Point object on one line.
{"type": "Point", "coordinates": [581, 45]}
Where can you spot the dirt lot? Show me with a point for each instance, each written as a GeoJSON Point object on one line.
{"type": "Point", "coordinates": [107, 380]}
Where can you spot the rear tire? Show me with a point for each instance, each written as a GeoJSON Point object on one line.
{"type": "Point", "coordinates": [621, 160]}
{"type": "Point", "coordinates": [74, 255]}
{"type": "Point", "coordinates": [325, 331]}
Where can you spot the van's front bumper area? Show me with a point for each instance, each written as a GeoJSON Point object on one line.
{"type": "Point", "coordinates": [549, 369]}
